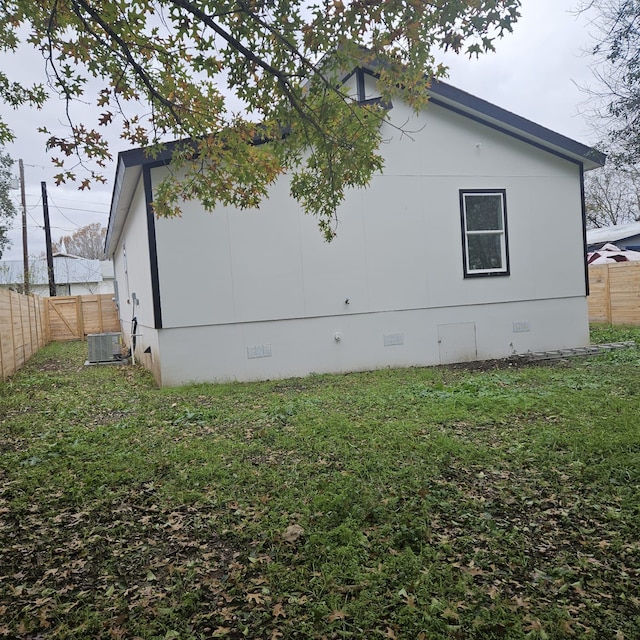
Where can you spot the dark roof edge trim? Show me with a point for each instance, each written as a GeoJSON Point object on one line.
{"type": "Point", "coordinates": [473, 104]}
{"type": "Point", "coordinates": [444, 95]}
{"type": "Point", "coordinates": [468, 104]}
{"type": "Point", "coordinates": [513, 134]}
{"type": "Point", "coordinates": [141, 156]}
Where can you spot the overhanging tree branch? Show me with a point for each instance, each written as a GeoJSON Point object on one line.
{"type": "Point", "coordinates": [179, 56]}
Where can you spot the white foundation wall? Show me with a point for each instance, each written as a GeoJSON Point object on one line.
{"type": "Point", "coordinates": [419, 337]}
{"type": "Point", "coordinates": [147, 351]}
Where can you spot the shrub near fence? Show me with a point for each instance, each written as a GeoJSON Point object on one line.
{"type": "Point", "coordinates": [614, 293]}
{"type": "Point", "coordinates": [24, 328]}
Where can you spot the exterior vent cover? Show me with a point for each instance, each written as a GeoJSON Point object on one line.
{"type": "Point", "coordinates": [103, 347]}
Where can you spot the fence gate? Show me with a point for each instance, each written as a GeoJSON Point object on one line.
{"type": "Point", "coordinates": [73, 317]}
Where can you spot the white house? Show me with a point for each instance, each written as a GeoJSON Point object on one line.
{"type": "Point", "coordinates": [73, 276]}
{"type": "Point", "coordinates": [438, 261]}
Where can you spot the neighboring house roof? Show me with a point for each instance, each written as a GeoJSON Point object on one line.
{"type": "Point", "coordinates": [610, 253]}
{"type": "Point", "coordinates": [62, 254]}
{"type": "Point", "coordinates": [130, 163]}
{"type": "Point", "coordinates": [66, 270]}
{"type": "Point", "coordinates": [614, 233]}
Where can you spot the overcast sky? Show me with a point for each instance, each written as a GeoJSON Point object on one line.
{"type": "Point", "coordinates": [538, 72]}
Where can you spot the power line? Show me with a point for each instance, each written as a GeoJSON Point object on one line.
{"type": "Point", "coordinates": [59, 207]}
{"type": "Point", "coordinates": [33, 206]}
{"type": "Point", "coordinates": [39, 227]}
{"type": "Point", "coordinates": [87, 201]}
{"type": "Point", "coordinates": [62, 214]}
{"type": "Point", "coordinates": [77, 209]}
{"type": "Point", "coordinates": [34, 220]}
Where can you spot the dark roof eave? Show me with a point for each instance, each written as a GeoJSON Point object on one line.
{"type": "Point", "coordinates": [125, 186]}
{"type": "Point", "coordinates": [479, 109]}
{"type": "Point", "coordinates": [128, 172]}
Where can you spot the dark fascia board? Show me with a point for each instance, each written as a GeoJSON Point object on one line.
{"type": "Point", "coordinates": [123, 189]}
{"type": "Point", "coordinates": [464, 103]}
{"type": "Point", "coordinates": [128, 173]}
{"type": "Point", "coordinates": [481, 110]}
{"type": "Point", "coordinates": [147, 155]}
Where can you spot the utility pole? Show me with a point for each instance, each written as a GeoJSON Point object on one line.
{"type": "Point", "coordinates": [25, 251]}
{"type": "Point", "coordinates": [47, 236]}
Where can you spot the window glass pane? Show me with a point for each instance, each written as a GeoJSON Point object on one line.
{"type": "Point", "coordinates": [483, 212]}
{"type": "Point", "coordinates": [485, 251]}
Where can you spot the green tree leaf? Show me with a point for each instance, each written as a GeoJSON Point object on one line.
{"type": "Point", "coordinates": [228, 76]}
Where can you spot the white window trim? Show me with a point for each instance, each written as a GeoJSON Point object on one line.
{"type": "Point", "coordinates": [503, 233]}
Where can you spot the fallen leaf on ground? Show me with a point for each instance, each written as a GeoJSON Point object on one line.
{"type": "Point", "coordinates": [336, 615]}
{"type": "Point", "coordinates": [292, 533]}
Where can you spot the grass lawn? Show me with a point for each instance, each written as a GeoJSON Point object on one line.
{"type": "Point", "coordinates": [435, 503]}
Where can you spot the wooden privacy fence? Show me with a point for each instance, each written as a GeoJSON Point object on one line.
{"type": "Point", "coordinates": [23, 329]}
{"type": "Point", "coordinates": [73, 317]}
{"type": "Point", "coordinates": [614, 293]}
{"type": "Point", "coordinates": [28, 323]}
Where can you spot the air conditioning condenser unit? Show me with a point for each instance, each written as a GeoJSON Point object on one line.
{"type": "Point", "coordinates": [103, 347]}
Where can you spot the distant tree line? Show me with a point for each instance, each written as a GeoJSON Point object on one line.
{"type": "Point", "coordinates": [613, 193]}
{"type": "Point", "coordinates": [86, 242]}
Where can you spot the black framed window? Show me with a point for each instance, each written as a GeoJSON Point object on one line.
{"type": "Point", "coordinates": [484, 232]}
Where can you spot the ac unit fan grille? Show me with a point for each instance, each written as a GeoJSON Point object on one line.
{"type": "Point", "coordinates": [103, 347]}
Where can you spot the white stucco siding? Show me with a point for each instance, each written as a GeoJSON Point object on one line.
{"type": "Point", "coordinates": [230, 266]}
{"type": "Point", "coordinates": [337, 271]}
{"type": "Point", "coordinates": [441, 142]}
{"type": "Point", "coordinates": [420, 337]}
{"type": "Point", "coordinates": [543, 200]}
{"type": "Point", "coordinates": [194, 266]}
{"type": "Point", "coordinates": [398, 248]}
{"type": "Point", "coordinates": [133, 275]}
{"type": "Point", "coordinates": [266, 259]}
{"type": "Point", "coordinates": [398, 220]}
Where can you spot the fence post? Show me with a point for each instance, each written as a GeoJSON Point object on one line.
{"type": "Point", "coordinates": [99, 299]}
{"type": "Point", "coordinates": [12, 366]}
{"type": "Point", "coordinates": [25, 357]}
{"type": "Point", "coordinates": [35, 321]}
{"type": "Point", "coordinates": [46, 319]}
{"type": "Point", "coordinates": [80, 317]}
{"type": "Point", "coordinates": [607, 294]}
{"type": "Point", "coordinates": [1, 356]}
{"type": "Point", "coordinates": [31, 346]}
